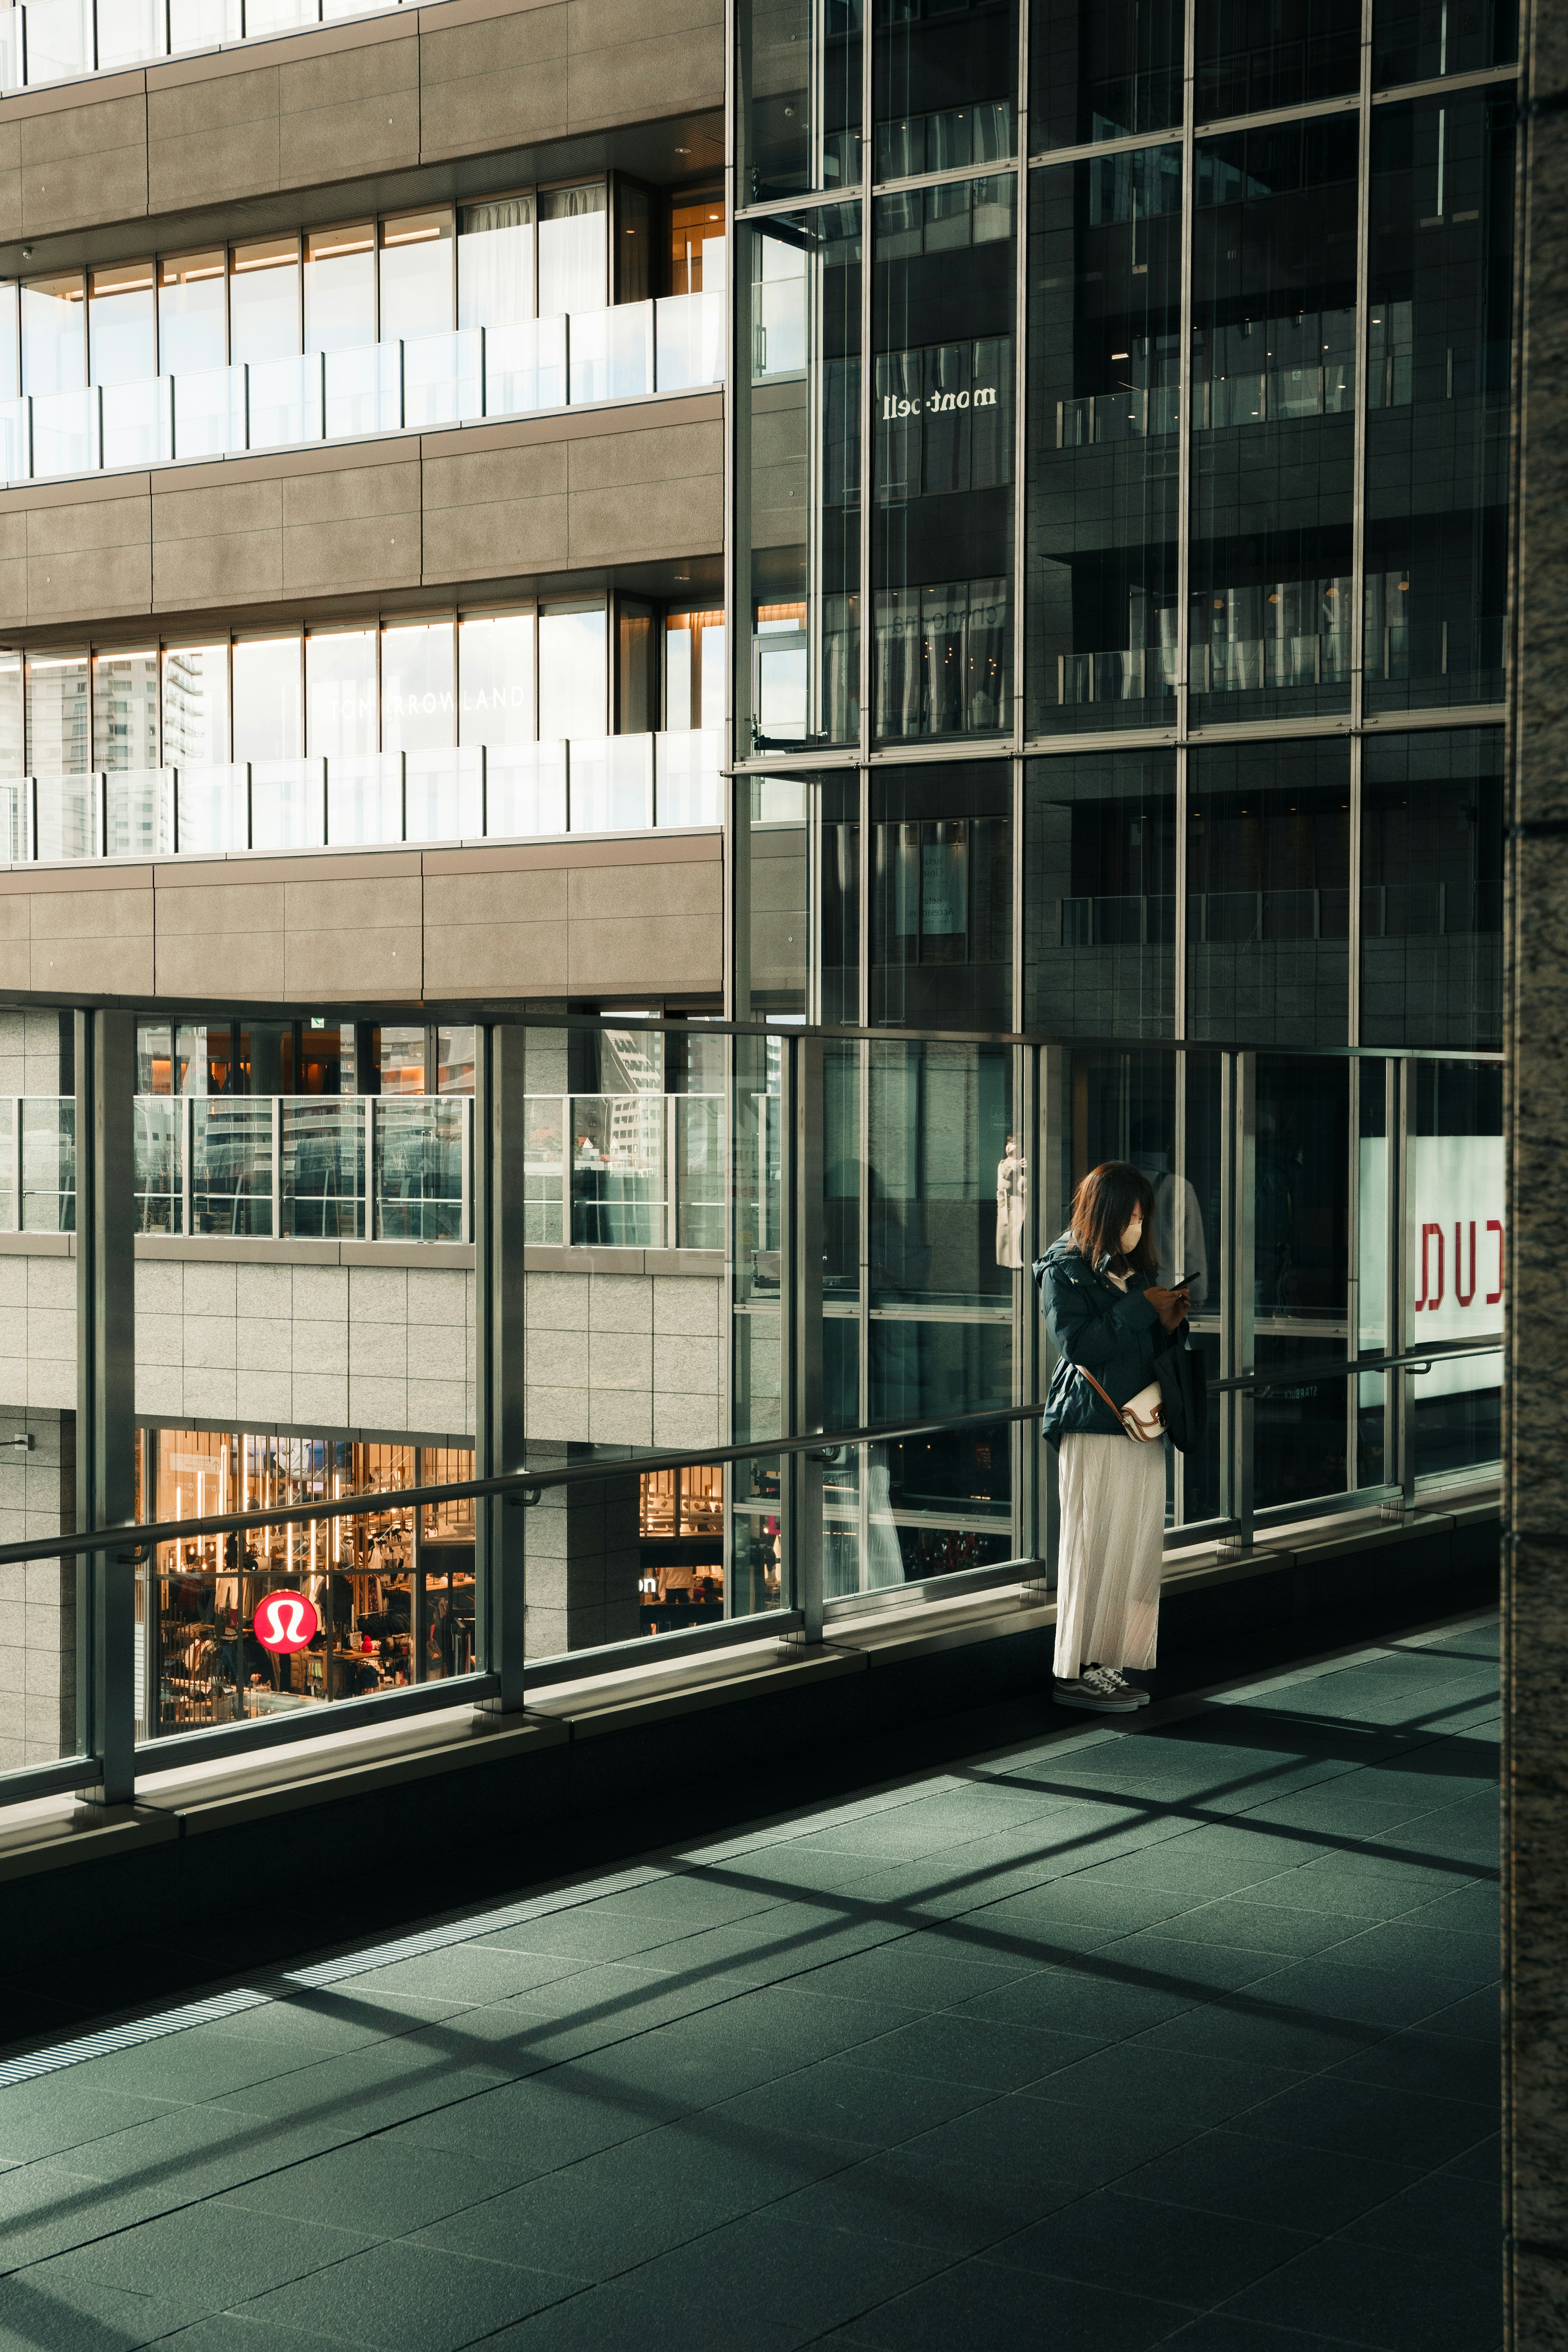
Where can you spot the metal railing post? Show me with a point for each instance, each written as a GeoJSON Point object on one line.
{"type": "Point", "coordinates": [1242, 1287]}
{"type": "Point", "coordinates": [501, 1225]}
{"type": "Point", "coordinates": [466, 1174]}
{"type": "Point", "coordinates": [106, 1390]}
{"type": "Point", "coordinates": [800, 1317]}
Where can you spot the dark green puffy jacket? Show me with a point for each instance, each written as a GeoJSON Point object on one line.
{"type": "Point", "coordinates": [1114, 1334]}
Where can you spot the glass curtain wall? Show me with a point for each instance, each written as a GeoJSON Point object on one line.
{"type": "Point", "coordinates": [1189, 774]}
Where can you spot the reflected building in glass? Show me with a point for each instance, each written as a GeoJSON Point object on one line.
{"type": "Point", "coordinates": [1118, 742]}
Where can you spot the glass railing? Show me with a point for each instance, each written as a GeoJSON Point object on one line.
{"type": "Point", "coordinates": [642, 1172]}
{"type": "Point", "coordinates": [625, 1172]}
{"type": "Point", "coordinates": [1248, 665]}
{"type": "Point", "coordinates": [63, 40]}
{"type": "Point", "coordinates": [607, 784]}
{"type": "Point", "coordinates": [473, 374]}
{"type": "Point", "coordinates": [309, 1167]}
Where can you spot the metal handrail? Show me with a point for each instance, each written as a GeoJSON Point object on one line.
{"type": "Point", "coordinates": [1335, 1368]}
{"type": "Point", "coordinates": [128, 1543]}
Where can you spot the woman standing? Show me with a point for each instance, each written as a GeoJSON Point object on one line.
{"type": "Point", "coordinates": [1106, 1317]}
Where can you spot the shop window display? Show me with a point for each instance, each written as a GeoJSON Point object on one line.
{"type": "Point", "coordinates": [390, 1592]}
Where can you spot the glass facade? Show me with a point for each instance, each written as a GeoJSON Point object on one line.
{"type": "Point", "coordinates": [1155, 809]}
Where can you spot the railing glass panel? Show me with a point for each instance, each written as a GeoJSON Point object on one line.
{"type": "Point", "coordinates": [281, 16]}
{"type": "Point", "coordinates": [203, 23]}
{"type": "Point", "coordinates": [321, 1166]}
{"type": "Point", "coordinates": [231, 1165]}
{"type": "Point", "coordinates": [203, 414]}
{"type": "Point", "coordinates": [698, 1184]}
{"type": "Point", "coordinates": [139, 813]}
{"type": "Point", "coordinates": [525, 789]}
{"type": "Point", "coordinates": [612, 784]}
{"type": "Point", "coordinates": [288, 804]}
{"type": "Point", "coordinates": [68, 816]}
{"type": "Point", "coordinates": [688, 783]}
{"type": "Point", "coordinates": [17, 438]}
{"type": "Point", "coordinates": [443, 379]}
{"type": "Point", "coordinates": [421, 1151]}
{"type": "Point", "coordinates": [612, 352]}
{"type": "Point", "coordinates": [130, 33]}
{"type": "Point", "coordinates": [525, 367]}
{"type": "Point", "coordinates": [545, 1209]}
{"type": "Point", "coordinates": [64, 433]}
{"type": "Point", "coordinates": [60, 39]}
{"type": "Point", "coordinates": [283, 401]}
{"type": "Point", "coordinates": [159, 1178]}
{"type": "Point", "coordinates": [213, 811]}
{"type": "Point", "coordinates": [16, 820]}
{"type": "Point", "coordinates": [365, 799]}
{"type": "Point", "coordinates": [354, 396]}
{"type": "Point", "coordinates": [619, 1197]}
{"type": "Point", "coordinates": [48, 1166]}
{"type": "Point", "coordinates": [138, 423]}
{"type": "Point", "coordinates": [443, 796]}
{"type": "Point", "coordinates": [688, 341]}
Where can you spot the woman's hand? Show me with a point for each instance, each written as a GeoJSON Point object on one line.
{"type": "Point", "coordinates": [1170, 1305]}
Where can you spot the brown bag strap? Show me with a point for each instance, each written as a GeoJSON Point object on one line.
{"type": "Point", "coordinates": [1115, 1408]}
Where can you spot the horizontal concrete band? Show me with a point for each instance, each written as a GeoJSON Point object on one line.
{"type": "Point", "coordinates": [523, 501]}
{"type": "Point", "coordinates": [577, 917]}
{"type": "Point", "coordinates": [501, 1800]}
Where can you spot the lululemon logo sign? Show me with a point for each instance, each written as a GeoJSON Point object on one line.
{"type": "Point", "coordinates": [286, 1622]}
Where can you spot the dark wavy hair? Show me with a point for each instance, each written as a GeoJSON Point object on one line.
{"type": "Point", "coordinates": [1102, 1210]}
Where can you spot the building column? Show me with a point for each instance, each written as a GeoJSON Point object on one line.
{"type": "Point", "coordinates": [584, 1561]}
{"type": "Point", "coordinates": [1535, 1471]}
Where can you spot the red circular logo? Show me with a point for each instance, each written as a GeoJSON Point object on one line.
{"type": "Point", "coordinates": [287, 1621]}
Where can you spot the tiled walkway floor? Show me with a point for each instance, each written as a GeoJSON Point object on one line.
{"type": "Point", "coordinates": [1184, 2037]}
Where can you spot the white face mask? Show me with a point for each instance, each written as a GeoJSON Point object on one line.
{"type": "Point", "coordinates": [1132, 1235]}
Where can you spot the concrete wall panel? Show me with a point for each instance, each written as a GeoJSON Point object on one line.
{"type": "Point", "coordinates": [491, 80]}
{"type": "Point", "coordinates": [627, 62]}
{"type": "Point", "coordinates": [491, 511]}
{"type": "Point", "coordinates": [350, 103]}
{"type": "Point", "coordinates": [212, 131]}
{"type": "Point", "coordinates": [617, 485]}
{"type": "Point", "coordinates": [84, 162]}
{"type": "Point", "coordinates": [219, 544]}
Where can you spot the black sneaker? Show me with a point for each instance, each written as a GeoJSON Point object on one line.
{"type": "Point", "coordinates": [1095, 1692]}
{"type": "Point", "coordinates": [1134, 1691]}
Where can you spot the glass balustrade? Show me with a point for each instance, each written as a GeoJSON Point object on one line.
{"type": "Point", "coordinates": [605, 784]}
{"type": "Point", "coordinates": [625, 1171]}
{"type": "Point", "coordinates": [67, 40]}
{"type": "Point", "coordinates": [229, 1150]}
{"type": "Point", "coordinates": [422, 1164]}
{"type": "Point", "coordinates": [422, 384]}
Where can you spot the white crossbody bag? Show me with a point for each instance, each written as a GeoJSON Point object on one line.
{"type": "Point", "coordinates": [1142, 1416]}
